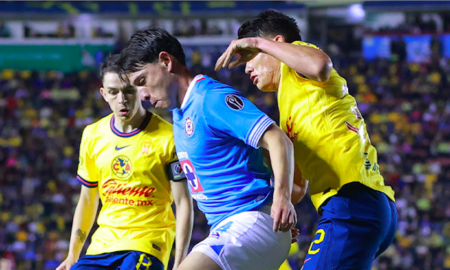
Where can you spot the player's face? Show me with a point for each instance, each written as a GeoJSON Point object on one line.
{"type": "Point", "coordinates": [123, 98]}
{"type": "Point", "coordinates": [264, 71]}
{"type": "Point", "coordinates": [156, 84]}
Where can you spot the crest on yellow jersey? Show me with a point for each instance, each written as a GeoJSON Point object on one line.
{"type": "Point", "coordinates": [121, 166]}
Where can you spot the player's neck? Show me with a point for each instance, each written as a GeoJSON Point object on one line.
{"type": "Point", "coordinates": [184, 80]}
{"type": "Point", "coordinates": [132, 124]}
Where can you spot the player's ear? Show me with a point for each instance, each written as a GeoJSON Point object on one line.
{"type": "Point", "coordinates": [279, 38]}
{"type": "Point", "coordinates": [103, 92]}
{"type": "Point", "coordinates": [166, 61]}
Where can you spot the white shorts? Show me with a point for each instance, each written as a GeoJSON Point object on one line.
{"type": "Point", "coordinates": [246, 241]}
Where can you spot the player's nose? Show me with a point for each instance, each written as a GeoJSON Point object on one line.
{"type": "Point", "coordinates": [144, 95]}
{"type": "Point", "coordinates": [248, 67]}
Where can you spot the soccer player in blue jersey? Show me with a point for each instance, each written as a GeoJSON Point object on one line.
{"type": "Point", "coordinates": [217, 134]}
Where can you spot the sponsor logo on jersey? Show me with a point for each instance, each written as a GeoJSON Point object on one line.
{"type": "Point", "coordinates": [182, 155]}
{"type": "Point", "coordinates": [121, 193]}
{"type": "Point", "coordinates": [189, 127]}
{"type": "Point", "coordinates": [290, 129]}
{"type": "Point", "coordinates": [234, 102]}
{"type": "Point", "coordinates": [192, 178]}
{"type": "Point", "coordinates": [121, 167]}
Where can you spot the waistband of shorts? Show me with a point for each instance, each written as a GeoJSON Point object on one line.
{"type": "Point", "coordinates": [265, 209]}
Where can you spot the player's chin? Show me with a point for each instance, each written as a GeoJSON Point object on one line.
{"type": "Point", "coordinates": [165, 105]}
{"type": "Point", "coordinates": [265, 88]}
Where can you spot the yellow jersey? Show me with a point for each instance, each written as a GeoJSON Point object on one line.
{"type": "Point", "coordinates": [332, 147]}
{"type": "Point", "coordinates": [131, 171]}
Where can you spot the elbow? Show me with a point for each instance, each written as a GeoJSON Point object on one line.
{"type": "Point", "coordinates": [324, 70]}
{"type": "Point", "coordinates": [297, 194]}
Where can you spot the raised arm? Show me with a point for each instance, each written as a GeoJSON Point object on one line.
{"type": "Point", "coordinates": [281, 153]}
{"type": "Point", "coordinates": [83, 220]}
{"type": "Point", "coordinates": [185, 218]}
{"type": "Point", "coordinates": [307, 61]}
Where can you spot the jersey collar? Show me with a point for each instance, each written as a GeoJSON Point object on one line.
{"type": "Point", "coordinates": [196, 79]}
{"type": "Point", "coordinates": [144, 124]}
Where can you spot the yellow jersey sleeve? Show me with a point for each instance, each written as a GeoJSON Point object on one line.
{"type": "Point", "coordinates": [87, 172]}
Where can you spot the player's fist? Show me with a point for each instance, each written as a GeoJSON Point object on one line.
{"type": "Point", "coordinates": [283, 214]}
{"type": "Point", "coordinates": [67, 264]}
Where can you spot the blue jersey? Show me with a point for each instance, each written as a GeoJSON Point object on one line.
{"type": "Point", "coordinates": [217, 132]}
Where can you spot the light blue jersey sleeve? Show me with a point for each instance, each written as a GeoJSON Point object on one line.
{"type": "Point", "coordinates": [228, 113]}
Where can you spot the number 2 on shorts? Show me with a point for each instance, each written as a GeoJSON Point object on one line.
{"type": "Point", "coordinates": [317, 241]}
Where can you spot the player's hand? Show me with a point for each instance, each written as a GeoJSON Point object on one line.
{"type": "Point", "coordinates": [283, 214]}
{"type": "Point", "coordinates": [67, 264]}
{"type": "Point", "coordinates": [294, 232]}
{"type": "Point", "coordinates": [245, 49]}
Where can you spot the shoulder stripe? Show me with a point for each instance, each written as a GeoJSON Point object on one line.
{"type": "Point", "coordinates": [258, 130]}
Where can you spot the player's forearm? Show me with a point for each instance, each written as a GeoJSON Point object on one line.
{"type": "Point", "coordinates": [83, 220]}
{"type": "Point", "coordinates": [310, 62]}
{"type": "Point", "coordinates": [281, 153]}
{"type": "Point", "coordinates": [184, 223]}
{"type": "Point", "coordinates": [282, 158]}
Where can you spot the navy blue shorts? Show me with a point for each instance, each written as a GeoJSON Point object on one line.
{"type": "Point", "coordinates": [122, 260]}
{"type": "Point", "coordinates": [356, 226]}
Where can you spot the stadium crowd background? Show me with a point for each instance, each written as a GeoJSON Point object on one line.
{"type": "Point", "coordinates": [406, 107]}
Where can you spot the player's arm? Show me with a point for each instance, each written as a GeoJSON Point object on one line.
{"type": "Point", "coordinates": [307, 61]}
{"type": "Point", "coordinates": [83, 220]}
{"type": "Point", "coordinates": [281, 153]}
{"type": "Point", "coordinates": [300, 186]}
{"type": "Point", "coordinates": [184, 222]}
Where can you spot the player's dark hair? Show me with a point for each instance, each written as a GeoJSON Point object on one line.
{"type": "Point", "coordinates": [271, 23]}
{"type": "Point", "coordinates": [144, 47]}
{"type": "Point", "coordinates": [110, 65]}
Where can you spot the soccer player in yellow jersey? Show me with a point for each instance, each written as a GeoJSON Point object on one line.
{"type": "Point", "coordinates": [332, 148]}
{"type": "Point", "coordinates": [128, 160]}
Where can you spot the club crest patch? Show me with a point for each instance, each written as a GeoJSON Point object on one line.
{"type": "Point", "coordinates": [234, 102]}
{"type": "Point", "coordinates": [189, 127]}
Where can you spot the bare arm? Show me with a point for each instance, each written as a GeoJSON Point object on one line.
{"type": "Point", "coordinates": [300, 186]}
{"type": "Point", "coordinates": [308, 61]}
{"type": "Point", "coordinates": [83, 220]}
{"type": "Point", "coordinates": [282, 160]}
{"type": "Point", "coordinates": [185, 218]}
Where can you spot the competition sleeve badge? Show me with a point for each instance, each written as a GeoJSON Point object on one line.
{"type": "Point", "coordinates": [234, 102]}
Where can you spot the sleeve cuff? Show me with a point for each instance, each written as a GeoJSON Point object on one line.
{"type": "Point", "coordinates": [86, 183]}
{"type": "Point", "coordinates": [258, 130]}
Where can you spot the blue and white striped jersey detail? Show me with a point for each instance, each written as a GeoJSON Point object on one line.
{"type": "Point", "coordinates": [217, 132]}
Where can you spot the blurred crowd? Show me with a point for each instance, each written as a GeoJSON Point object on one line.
{"type": "Point", "coordinates": [42, 115]}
